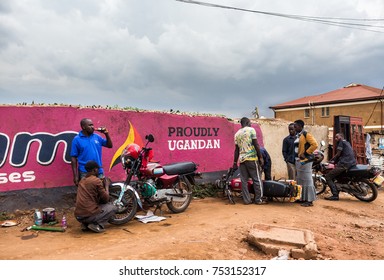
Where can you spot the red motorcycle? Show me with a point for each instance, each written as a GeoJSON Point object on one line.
{"type": "Point", "coordinates": [230, 184]}
{"type": "Point", "coordinates": [155, 184]}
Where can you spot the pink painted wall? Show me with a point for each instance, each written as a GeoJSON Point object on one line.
{"type": "Point", "coordinates": [35, 142]}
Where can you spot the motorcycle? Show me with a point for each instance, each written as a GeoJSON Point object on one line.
{"type": "Point", "coordinates": [360, 181]}
{"type": "Point", "coordinates": [318, 177]}
{"type": "Point", "coordinates": [156, 184]}
{"type": "Point", "coordinates": [230, 184]}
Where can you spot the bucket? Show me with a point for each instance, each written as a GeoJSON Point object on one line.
{"type": "Point", "coordinates": [49, 215]}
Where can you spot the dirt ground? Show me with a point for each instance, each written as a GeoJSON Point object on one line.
{"type": "Point", "coordinates": [210, 229]}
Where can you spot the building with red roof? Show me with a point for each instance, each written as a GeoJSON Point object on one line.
{"type": "Point", "coordinates": [353, 100]}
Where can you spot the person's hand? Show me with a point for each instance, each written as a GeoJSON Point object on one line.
{"type": "Point", "coordinates": [234, 167]}
{"type": "Point", "coordinates": [261, 163]}
{"type": "Point", "coordinates": [102, 129]}
{"type": "Point", "coordinates": [302, 156]}
{"type": "Point", "coordinates": [76, 181]}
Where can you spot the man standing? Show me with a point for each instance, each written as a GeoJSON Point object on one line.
{"type": "Point", "coordinates": [345, 159]}
{"type": "Point", "coordinates": [92, 208]}
{"type": "Point", "coordinates": [289, 151]}
{"type": "Point", "coordinates": [87, 146]}
{"type": "Point", "coordinates": [247, 151]}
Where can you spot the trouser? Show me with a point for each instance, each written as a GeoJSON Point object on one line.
{"type": "Point", "coordinates": [331, 176]}
{"type": "Point", "coordinates": [250, 169]}
{"type": "Point", "coordinates": [267, 172]}
{"type": "Point", "coordinates": [102, 218]}
{"type": "Point", "coordinates": [291, 168]}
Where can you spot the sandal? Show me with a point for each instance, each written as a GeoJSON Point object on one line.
{"type": "Point", "coordinates": [307, 204]}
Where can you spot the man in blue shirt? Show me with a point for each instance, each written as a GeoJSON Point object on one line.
{"type": "Point", "coordinates": [87, 146]}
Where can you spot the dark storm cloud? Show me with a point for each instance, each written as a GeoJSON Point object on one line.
{"type": "Point", "coordinates": [162, 55]}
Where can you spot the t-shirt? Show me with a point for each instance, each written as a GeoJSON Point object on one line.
{"type": "Point", "coordinates": [347, 157]}
{"type": "Point", "coordinates": [86, 148]}
{"type": "Point", "coordinates": [243, 139]}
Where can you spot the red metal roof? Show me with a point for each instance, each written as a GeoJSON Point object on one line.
{"type": "Point", "coordinates": [350, 93]}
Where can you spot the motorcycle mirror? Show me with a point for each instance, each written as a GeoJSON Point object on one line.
{"type": "Point", "coordinates": [150, 138]}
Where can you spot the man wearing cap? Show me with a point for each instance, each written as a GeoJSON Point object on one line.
{"type": "Point", "coordinates": [92, 208]}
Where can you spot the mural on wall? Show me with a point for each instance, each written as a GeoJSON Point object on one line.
{"type": "Point", "coordinates": [35, 142]}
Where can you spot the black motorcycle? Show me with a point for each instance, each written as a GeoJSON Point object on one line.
{"type": "Point", "coordinates": [360, 181]}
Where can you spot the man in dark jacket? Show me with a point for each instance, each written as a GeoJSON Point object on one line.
{"type": "Point", "coordinates": [289, 151]}
{"type": "Point", "coordinates": [344, 160]}
{"type": "Point", "coordinates": [267, 168]}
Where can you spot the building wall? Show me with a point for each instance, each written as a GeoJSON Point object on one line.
{"type": "Point", "coordinates": [370, 112]}
{"type": "Point", "coordinates": [35, 142]}
{"type": "Point", "coordinates": [35, 170]}
{"type": "Point", "coordinates": [274, 131]}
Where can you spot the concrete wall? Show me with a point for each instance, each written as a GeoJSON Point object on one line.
{"type": "Point", "coordinates": [274, 131]}
{"type": "Point", "coordinates": [35, 144]}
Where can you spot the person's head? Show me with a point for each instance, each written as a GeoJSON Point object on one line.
{"type": "Point", "coordinates": [245, 122]}
{"type": "Point", "coordinates": [92, 167]}
{"type": "Point", "coordinates": [339, 136]}
{"type": "Point", "coordinates": [291, 129]}
{"type": "Point", "coordinates": [299, 125]}
{"type": "Point", "coordinates": [87, 126]}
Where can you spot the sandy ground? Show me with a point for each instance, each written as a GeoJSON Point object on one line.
{"type": "Point", "coordinates": [210, 229]}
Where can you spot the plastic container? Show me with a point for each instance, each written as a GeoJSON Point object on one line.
{"type": "Point", "coordinates": [38, 217]}
{"type": "Point", "coordinates": [49, 215]}
{"type": "Point", "coordinates": [64, 222]}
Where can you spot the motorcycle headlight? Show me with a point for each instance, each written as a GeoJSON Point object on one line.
{"type": "Point", "coordinates": [128, 162]}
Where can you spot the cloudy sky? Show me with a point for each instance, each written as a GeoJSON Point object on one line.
{"type": "Point", "coordinates": [167, 54]}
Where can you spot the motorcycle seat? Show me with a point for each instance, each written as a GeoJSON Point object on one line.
{"type": "Point", "coordinates": [180, 168]}
{"type": "Point", "coordinates": [359, 167]}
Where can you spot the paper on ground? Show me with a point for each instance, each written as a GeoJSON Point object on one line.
{"type": "Point", "coordinates": [149, 217]}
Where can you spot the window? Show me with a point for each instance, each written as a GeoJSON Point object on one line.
{"type": "Point", "coordinates": [325, 112]}
{"type": "Point", "coordinates": [306, 113]}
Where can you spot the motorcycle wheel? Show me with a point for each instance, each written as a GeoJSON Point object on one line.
{"type": "Point", "coordinates": [178, 204]}
{"type": "Point", "coordinates": [368, 191]}
{"type": "Point", "coordinates": [228, 193]}
{"type": "Point", "coordinates": [319, 183]}
{"type": "Point", "coordinates": [127, 209]}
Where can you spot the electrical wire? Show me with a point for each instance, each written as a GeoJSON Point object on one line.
{"type": "Point", "coordinates": [335, 21]}
{"type": "Point", "coordinates": [374, 108]}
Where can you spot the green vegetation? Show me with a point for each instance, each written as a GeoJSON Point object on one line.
{"type": "Point", "coordinates": [127, 108]}
{"type": "Point", "coordinates": [205, 190]}
{"type": "Point", "coordinates": [5, 216]}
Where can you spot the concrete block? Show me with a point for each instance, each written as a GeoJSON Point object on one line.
{"type": "Point", "coordinates": [271, 239]}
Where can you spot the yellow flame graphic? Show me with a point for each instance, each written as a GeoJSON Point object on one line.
{"type": "Point", "coordinates": [130, 139]}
